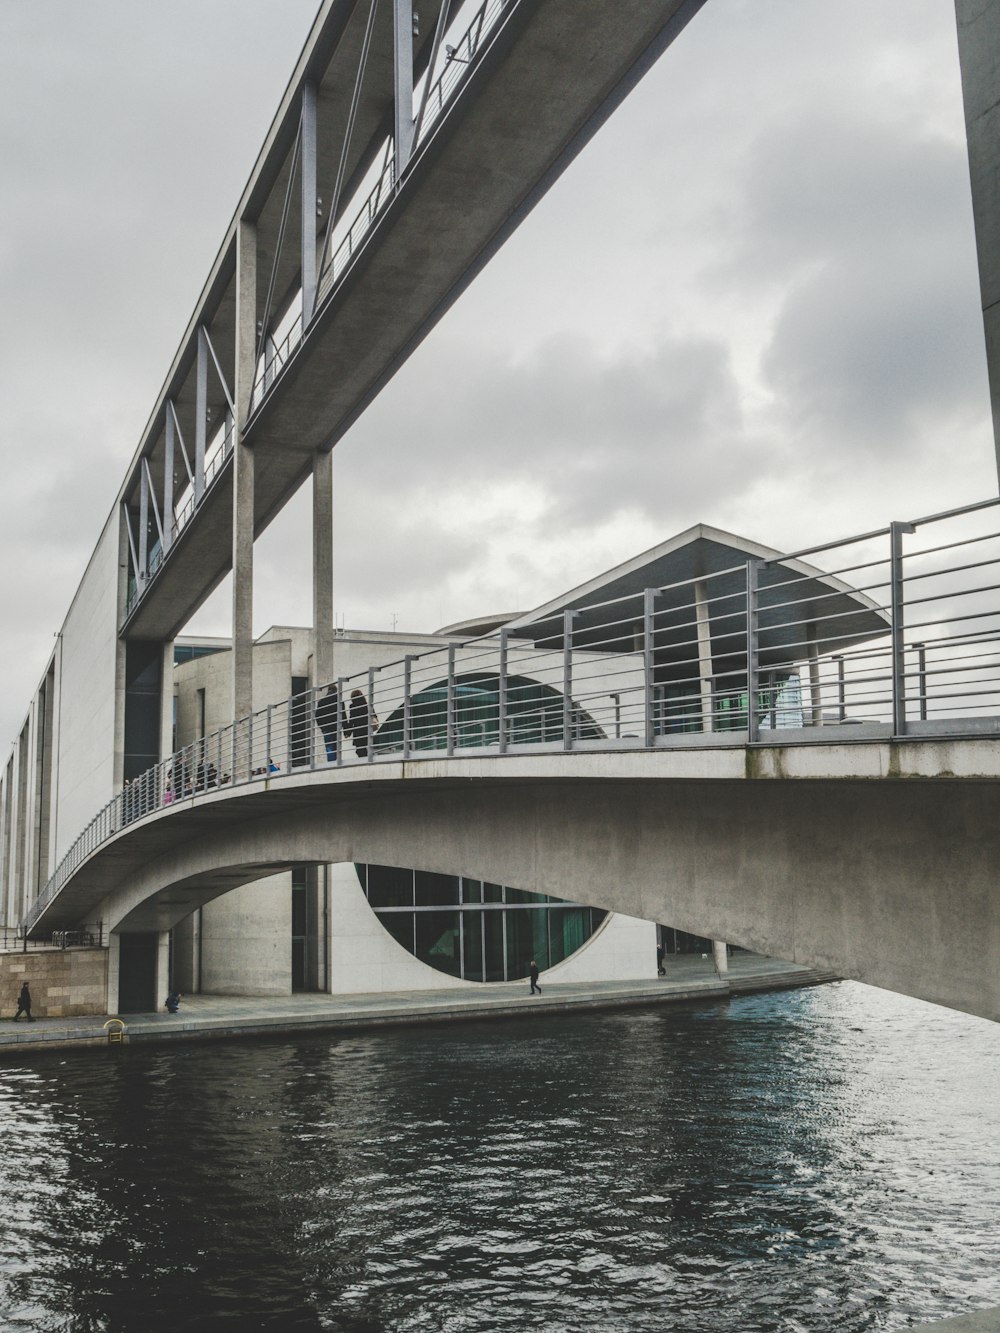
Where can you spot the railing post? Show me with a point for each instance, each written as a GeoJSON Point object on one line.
{"type": "Point", "coordinates": [922, 678]}
{"type": "Point", "coordinates": [267, 736]}
{"type": "Point", "coordinates": [568, 679]}
{"type": "Point", "coordinates": [371, 715]}
{"type": "Point", "coordinates": [841, 690]}
{"type": "Point", "coordinates": [311, 725]}
{"type": "Point", "coordinates": [502, 694]}
{"type": "Point", "coordinates": [753, 651]}
{"type": "Point", "coordinates": [896, 606]}
{"type": "Point", "coordinates": [450, 703]}
{"type": "Point", "coordinates": [648, 664]}
{"type": "Point", "coordinates": [407, 716]}
{"type": "Point", "coordinates": [340, 722]}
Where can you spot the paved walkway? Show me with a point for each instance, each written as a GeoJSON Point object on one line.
{"type": "Point", "coordinates": [215, 1016]}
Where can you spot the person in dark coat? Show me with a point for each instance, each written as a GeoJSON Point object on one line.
{"type": "Point", "coordinates": [327, 710]}
{"type": "Point", "coordinates": [357, 723]}
{"type": "Point", "coordinates": [533, 974]}
{"type": "Point", "coordinates": [24, 1004]}
{"type": "Point", "coordinates": [661, 971]}
{"type": "Point", "coordinates": [173, 1001]}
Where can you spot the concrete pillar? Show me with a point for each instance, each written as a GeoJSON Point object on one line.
{"type": "Point", "coordinates": [114, 954]}
{"type": "Point", "coordinates": [705, 671]}
{"type": "Point", "coordinates": [323, 566]}
{"type": "Point", "coordinates": [979, 58]}
{"type": "Point", "coordinates": [162, 968]}
{"type": "Point", "coordinates": [243, 468]}
{"type": "Point", "coordinates": [167, 700]}
{"type": "Point", "coordinates": [720, 957]}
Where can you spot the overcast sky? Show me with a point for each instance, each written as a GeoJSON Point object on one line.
{"type": "Point", "coordinates": [752, 301]}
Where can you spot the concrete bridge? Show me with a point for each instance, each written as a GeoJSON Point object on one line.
{"type": "Point", "coordinates": [875, 860]}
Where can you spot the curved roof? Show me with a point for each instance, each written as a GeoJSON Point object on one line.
{"type": "Point", "coordinates": [818, 605]}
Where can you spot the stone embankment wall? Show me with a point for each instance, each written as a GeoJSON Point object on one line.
{"type": "Point", "coordinates": [65, 983]}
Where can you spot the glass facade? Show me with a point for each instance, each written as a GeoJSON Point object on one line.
{"type": "Point", "coordinates": [678, 708]}
{"type": "Point", "coordinates": [533, 714]}
{"type": "Point", "coordinates": [474, 929]}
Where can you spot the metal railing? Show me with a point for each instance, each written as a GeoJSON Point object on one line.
{"type": "Point", "coordinates": [897, 635]}
{"type": "Point", "coordinates": [90, 936]}
{"type": "Point", "coordinates": [457, 61]}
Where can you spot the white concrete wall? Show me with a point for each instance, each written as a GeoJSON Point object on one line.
{"type": "Point", "coordinates": [622, 949]}
{"type": "Point", "coordinates": [85, 726]}
{"type": "Point", "coordinates": [246, 940]}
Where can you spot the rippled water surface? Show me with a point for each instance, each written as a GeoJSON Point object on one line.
{"type": "Point", "coordinates": [813, 1160]}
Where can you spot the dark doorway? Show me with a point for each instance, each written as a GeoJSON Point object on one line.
{"type": "Point", "coordinates": [137, 973]}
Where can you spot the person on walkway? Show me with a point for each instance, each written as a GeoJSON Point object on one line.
{"type": "Point", "coordinates": [661, 971]}
{"type": "Point", "coordinates": [173, 1001]}
{"type": "Point", "coordinates": [24, 1004]}
{"type": "Point", "coordinates": [327, 711]}
{"type": "Point", "coordinates": [357, 723]}
{"type": "Point", "coordinates": [533, 974]}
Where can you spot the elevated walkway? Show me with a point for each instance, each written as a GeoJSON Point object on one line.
{"type": "Point", "coordinates": [215, 1017]}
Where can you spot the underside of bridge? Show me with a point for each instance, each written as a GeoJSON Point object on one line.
{"type": "Point", "coordinates": [888, 881]}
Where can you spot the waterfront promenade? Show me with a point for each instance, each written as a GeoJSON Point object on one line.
{"type": "Point", "coordinates": [689, 978]}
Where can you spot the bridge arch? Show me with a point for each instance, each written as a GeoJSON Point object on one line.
{"type": "Point", "coordinates": [886, 880]}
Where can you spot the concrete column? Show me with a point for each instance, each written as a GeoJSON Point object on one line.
{"type": "Point", "coordinates": [114, 956]}
{"type": "Point", "coordinates": [243, 469]}
{"type": "Point", "coordinates": [162, 968]}
{"type": "Point", "coordinates": [979, 58]}
{"type": "Point", "coordinates": [720, 957]}
{"type": "Point", "coordinates": [705, 671]}
{"type": "Point", "coordinates": [323, 668]}
{"type": "Point", "coordinates": [167, 700]}
{"type": "Point", "coordinates": [403, 71]}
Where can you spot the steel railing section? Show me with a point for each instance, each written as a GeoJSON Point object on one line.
{"type": "Point", "coordinates": [347, 244]}
{"type": "Point", "coordinates": [760, 653]}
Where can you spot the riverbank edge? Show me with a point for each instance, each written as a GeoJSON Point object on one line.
{"type": "Point", "coordinates": [411, 1010]}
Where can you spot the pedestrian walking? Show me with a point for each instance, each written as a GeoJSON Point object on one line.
{"type": "Point", "coordinates": [661, 971]}
{"type": "Point", "coordinates": [533, 974]}
{"type": "Point", "coordinates": [358, 723]}
{"type": "Point", "coordinates": [328, 711]}
{"type": "Point", "coordinates": [24, 1004]}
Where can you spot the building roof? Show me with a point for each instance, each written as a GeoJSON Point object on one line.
{"type": "Point", "coordinates": [610, 606]}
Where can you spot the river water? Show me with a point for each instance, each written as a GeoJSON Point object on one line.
{"type": "Point", "coordinates": [826, 1159]}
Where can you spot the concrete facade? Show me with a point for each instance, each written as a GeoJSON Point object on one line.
{"type": "Point", "coordinates": [64, 982]}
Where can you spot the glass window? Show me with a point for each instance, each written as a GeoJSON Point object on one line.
{"type": "Point", "coordinates": [492, 893]}
{"type": "Point", "coordinates": [569, 928]}
{"type": "Point", "coordinates": [527, 938]}
{"type": "Point", "coordinates": [400, 927]}
{"type": "Point", "coordinates": [493, 939]}
{"type": "Point", "coordinates": [298, 911]}
{"type": "Point", "coordinates": [435, 890]}
{"type": "Point", "coordinates": [472, 891]}
{"type": "Point", "coordinates": [438, 941]}
{"type": "Point", "coordinates": [389, 887]}
{"type": "Point", "coordinates": [522, 896]}
{"type": "Point", "coordinates": [472, 944]}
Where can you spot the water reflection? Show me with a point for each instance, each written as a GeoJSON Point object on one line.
{"type": "Point", "coordinates": [816, 1160]}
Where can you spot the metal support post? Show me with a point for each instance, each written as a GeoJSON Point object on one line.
{"type": "Point", "coordinates": [841, 688]}
{"type": "Point", "coordinates": [143, 525]}
{"type": "Point", "coordinates": [897, 605]}
{"type": "Point", "coordinates": [403, 78]}
{"type": "Point", "coordinates": [407, 703]}
{"type": "Point", "coordinates": [753, 651]}
{"type": "Point", "coordinates": [307, 180]}
{"type": "Point", "coordinates": [648, 664]}
{"type": "Point", "coordinates": [502, 693]}
{"type": "Point", "coordinates": [267, 736]}
{"type": "Point", "coordinates": [200, 415]}
{"type": "Point", "coordinates": [568, 617]}
{"type": "Point", "coordinates": [371, 715]}
{"type": "Point", "coordinates": [450, 702]}
{"type": "Point", "coordinates": [922, 678]}
{"type": "Point", "coordinates": [340, 721]}
{"type": "Point", "coordinates": [168, 480]}
{"type": "Point", "coordinates": [706, 673]}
